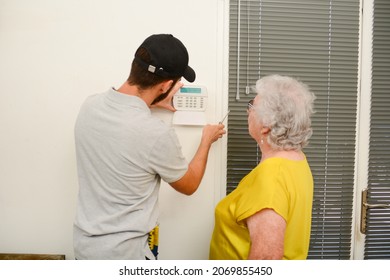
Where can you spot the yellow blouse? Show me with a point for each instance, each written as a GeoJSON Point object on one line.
{"type": "Point", "coordinates": [286, 186]}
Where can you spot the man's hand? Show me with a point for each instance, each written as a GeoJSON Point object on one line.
{"type": "Point", "coordinates": [167, 103]}
{"type": "Point", "coordinates": [212, 133]}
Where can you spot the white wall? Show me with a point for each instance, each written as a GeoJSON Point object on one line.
{"type": "Point", "coordinates": [53, 54]}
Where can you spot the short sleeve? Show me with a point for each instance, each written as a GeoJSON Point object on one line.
{"type": "Point", "coordinates": [166, 157]}
{"type": "Point", "coordinates": [265, 188]}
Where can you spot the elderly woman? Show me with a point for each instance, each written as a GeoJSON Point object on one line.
{"type": "Point", "coordinates": [268, 216]}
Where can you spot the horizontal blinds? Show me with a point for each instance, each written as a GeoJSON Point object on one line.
{"type": "Point", "coordinates": [244, 59]}
{"type": "Point", "coordinates": [378, 220]}
{"type": "Point", "coordinates": [317, 42]}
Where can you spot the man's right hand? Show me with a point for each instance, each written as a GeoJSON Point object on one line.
{"type": "Point", "coordinates": [212, 132]}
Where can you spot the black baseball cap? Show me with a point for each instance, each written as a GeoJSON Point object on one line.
{"type": "Point", "coordinates": [169, 57]}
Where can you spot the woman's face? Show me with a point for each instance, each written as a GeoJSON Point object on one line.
{"type": "Point", "coordinates": [254, 126]}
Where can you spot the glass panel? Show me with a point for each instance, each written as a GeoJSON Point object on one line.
{"type": "Point", "coordinates": [378, 220]}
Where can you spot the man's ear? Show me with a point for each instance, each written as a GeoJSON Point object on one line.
{"type": "Point", "coordinates": [165, 86]}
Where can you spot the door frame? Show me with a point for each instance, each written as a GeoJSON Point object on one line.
{"type": "Point", "coordinates": [363, 123]}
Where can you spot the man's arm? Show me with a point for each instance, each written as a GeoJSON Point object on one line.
{"type": "Point", "coordinates": [190, 182]}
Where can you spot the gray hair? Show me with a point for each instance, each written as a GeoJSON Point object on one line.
{"type": "Point", "coordinates": [285, 106]}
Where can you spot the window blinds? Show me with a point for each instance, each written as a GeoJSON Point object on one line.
{"type": "Point", "coordinates": [378, 227]}
{"type": "Point", "coordinates": [317, 42]}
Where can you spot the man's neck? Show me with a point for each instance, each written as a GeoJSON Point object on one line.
{"type": "Point", "coordinates": [146, 95]}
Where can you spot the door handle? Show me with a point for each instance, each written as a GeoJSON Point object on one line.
{"type": "Point", "coordinates": [364, 207]}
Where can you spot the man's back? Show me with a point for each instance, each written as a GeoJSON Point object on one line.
{"type": "Point", "coordinates": [122, 151]}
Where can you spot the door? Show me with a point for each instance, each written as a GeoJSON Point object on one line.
{"type": "Point", "coordinates": [374, 193]}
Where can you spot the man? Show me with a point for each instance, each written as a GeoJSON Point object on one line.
{"type": "Point", "coordinates": [123, 152]}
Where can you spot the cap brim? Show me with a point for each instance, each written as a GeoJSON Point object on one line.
{"type": "Point", "coordinates": [189, 74]}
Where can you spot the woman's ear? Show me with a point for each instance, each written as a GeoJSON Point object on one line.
{"type": "Point", "coordinates": [265, 130]}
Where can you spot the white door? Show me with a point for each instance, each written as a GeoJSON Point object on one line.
{"type": "Point", "coordinates": [372, 215]}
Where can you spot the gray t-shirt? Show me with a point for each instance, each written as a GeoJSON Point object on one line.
{"type": "Point", "coordinates": [122, 153]}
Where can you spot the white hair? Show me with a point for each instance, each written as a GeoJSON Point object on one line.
{"type": "Point", "coordinates": [285, 106]}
